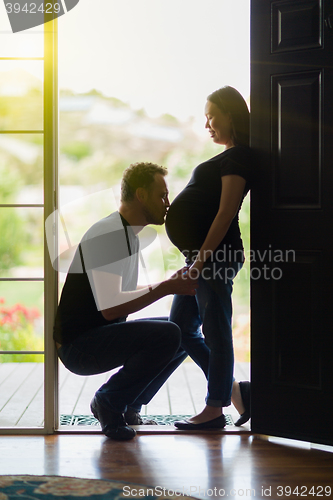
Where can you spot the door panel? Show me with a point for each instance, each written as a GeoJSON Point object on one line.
{"type": "Point", "coordinates": [291, 234]}
{"type": "Point", "coordinates": [286, 15]}
{"type": "Point", "coordinates": [296, 113]}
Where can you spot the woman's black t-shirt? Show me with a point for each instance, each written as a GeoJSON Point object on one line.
{"type": "Point", "coordinates": [192, 212]}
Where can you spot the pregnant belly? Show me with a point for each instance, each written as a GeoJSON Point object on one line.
{"type": "Point", "coordinates": [187, 226]}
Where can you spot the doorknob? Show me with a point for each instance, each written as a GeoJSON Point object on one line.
{"type": "Point", "coordinates": [329, 21]}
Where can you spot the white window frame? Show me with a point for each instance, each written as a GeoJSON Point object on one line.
{"type": "Point", "coordinates": [50, 130]}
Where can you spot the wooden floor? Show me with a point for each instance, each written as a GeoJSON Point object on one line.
{"type": "Point", "coordinates": [201, 465]}
{"type": "Point", "coordinates": [204, 465]}
{"type": "Point", "coordinates": [21, 393]}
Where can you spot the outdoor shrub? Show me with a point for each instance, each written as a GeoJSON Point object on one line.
{"type": "Point", "coordinates": [18, 333]}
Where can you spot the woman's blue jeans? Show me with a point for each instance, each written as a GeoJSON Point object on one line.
{"type": "Point", "coordinates": [211, 308]}
{"type": "Point", "coordinates": [212, 350]}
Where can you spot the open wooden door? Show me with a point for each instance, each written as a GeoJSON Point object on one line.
{"type": "Point", "coordinates": [292, 218]}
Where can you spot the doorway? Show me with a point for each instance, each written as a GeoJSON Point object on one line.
{"type": "Point", "coordinates": [133, 88]}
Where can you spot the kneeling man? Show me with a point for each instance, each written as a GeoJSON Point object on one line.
{"type": "Point", "coordinates": [91, 331]}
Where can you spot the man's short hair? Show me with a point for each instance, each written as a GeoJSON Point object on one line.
{"type": "Point", "coordinates": [139, 175]}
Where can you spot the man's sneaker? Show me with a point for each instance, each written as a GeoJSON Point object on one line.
{"type": "Point", "coordinates": [113, 423]}
{"type": "Point", "coordinates": [133, 417]}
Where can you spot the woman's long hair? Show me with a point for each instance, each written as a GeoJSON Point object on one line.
{"type": "Point", "coordinates": [229, 100]}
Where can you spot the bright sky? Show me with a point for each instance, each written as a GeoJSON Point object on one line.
{"type": "Point", "coordinates": [162, 55]}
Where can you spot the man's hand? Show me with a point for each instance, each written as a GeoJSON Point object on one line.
{"type": "Point", "coordinates": [182, 283]}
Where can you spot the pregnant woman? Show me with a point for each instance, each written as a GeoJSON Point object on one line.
{"type": "Point", "coordinates": [203, 223]}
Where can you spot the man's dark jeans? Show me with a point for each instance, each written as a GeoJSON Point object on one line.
{"type": "Point", "coordinates": [142, 348]}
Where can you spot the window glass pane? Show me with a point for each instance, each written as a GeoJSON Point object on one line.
{"type": "Point", "coordinates": [29, 43]}
{"type": "Point", "coordinates": [21, 168]}
{"type": "Point", "coordinates": [21, 243]}
{"type": "Point", "coordinates": [21, 95]}
{"type": "Point", "coordinates": [21, 319]}
{"type": "Point", "coordinates": [21, 391]}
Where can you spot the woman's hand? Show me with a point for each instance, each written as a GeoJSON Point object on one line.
{"type": "Point", "coordinates": [195, 269]}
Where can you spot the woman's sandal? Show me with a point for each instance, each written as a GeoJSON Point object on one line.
{"type": "Point", "coordinates": [245, 389]}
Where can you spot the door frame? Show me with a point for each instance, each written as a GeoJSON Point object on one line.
{"type": "Point", "coordinates": [51, 126]}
